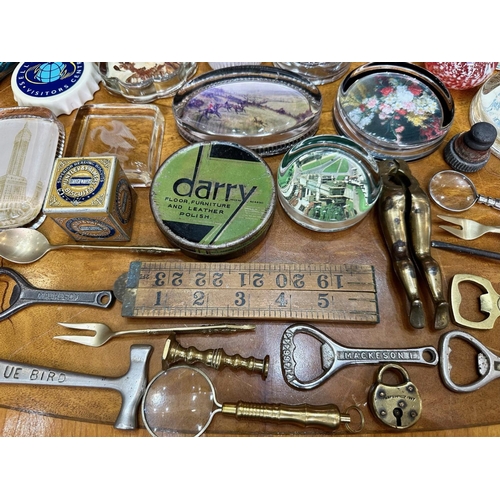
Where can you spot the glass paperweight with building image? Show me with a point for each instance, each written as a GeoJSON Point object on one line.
{"type": "Point", "coordinates": [31, 138]}
{"type": "Point", "coordinates": [328, 183]}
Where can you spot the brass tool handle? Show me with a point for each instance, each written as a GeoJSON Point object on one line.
{"type": "Point", "coordinates": [323, 417]}
{"type": "Point", "coordinates": [214, 358]}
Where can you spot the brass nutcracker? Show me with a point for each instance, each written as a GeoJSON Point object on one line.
{"type": "Point", "coordinates": [404, 212]}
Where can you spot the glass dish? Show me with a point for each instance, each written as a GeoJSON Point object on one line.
{"type": "Point", "coordinates": [328, 183]}
{"type": "Point", "coordinates": [263, 108]}
{"type": "Point", "coordinates": [131, 132]}
{"type": "Point", "coordinates": [395, 110]}
{"type": "Point", "coordinates": [143, 82]}
{"type": "Point", "coordinates": [31, 139]}
{"type": "Point", "coordinates": [485, 107]}
{"type": "Point", "coordinates": [318, 73]}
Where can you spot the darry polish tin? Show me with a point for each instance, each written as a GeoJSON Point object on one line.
{"type": "Point", "coordinates": [91, 199]}
{"type": "Point", "coordinates": [213, 200]}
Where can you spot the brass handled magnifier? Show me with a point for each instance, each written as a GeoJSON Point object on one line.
{"type": "Point", "coordinates": [454, 191]}
{"type": "Point", "coordinates": [181, 402]}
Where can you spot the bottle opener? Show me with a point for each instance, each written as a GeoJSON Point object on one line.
{"type": "Point", "coordinates": [335, 356]}
{"type": "Point", "coordinates": [488, 302]}
{"type": "Point", "coordinates": [24, 294]}
{"type": "Point", "coordinates": [488, 363]}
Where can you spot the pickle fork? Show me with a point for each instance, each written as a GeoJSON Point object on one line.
{"type": "Point", "coordinates": [470, 229]}
{"type": "Point", "coordinates": [103, 333]}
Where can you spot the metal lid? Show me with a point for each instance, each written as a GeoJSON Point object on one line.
{"type": "Point", "coordinates": [394, 110]}
{"type": "Point", "coordinates": [213, 200]}
{"type": "Point", "coordinates": [59, 86]}
{"type": "Point", "coordinates": [262, 108]}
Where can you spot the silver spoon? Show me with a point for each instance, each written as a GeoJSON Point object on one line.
{"type": "Point", "coordinates": [24, 245]}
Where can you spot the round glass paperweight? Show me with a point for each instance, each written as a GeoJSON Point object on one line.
{"type": "Point", "coordinates": [318, 73]}
{"type": "Point", "coordinates": [394, 110]}
{"type": "Point", "coordinates": [328, 183]}
{"type": "Point", "coordinates": [462, 75]}
{"type": "Point", "coordinates": [263, 108]}
{"type": "Point", "coordinates": [485, 107]}
{"type": "Point", "coordinates": [143, 82]}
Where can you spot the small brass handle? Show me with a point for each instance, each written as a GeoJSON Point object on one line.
{"type": "Point", "coordinates": [214, 358]}
{"type": "Point", "coordinates": [322, 416]}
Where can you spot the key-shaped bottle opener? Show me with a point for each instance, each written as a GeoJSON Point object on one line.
{"type": "Point", "coordinates": [24, 294]}
{"type": "Point", "coordinates": [399, 406]}
{"type": "Point", "coordinates": [488, 363]}
{"type": "Point", "coordinates": [335, 356]}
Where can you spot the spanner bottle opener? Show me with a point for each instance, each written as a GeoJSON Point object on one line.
{"type": "Point", "coordinates": [24, 295]}
{"type": "Point", "coordinates": [335, 356]}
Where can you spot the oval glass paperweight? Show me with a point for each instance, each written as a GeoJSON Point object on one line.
{"type": "Point", "coordinates": [31, 138]}
{"type": "Point", "coordinates": [143, 82]}
{"type": "Point", "coordinates": [328, 183]}
{"type": "Point", "coordinates": [485, 107]}
{"type": "Point", "coordinates": [395, 110]}
{"type": "Point", "coordinates": [263, 108]}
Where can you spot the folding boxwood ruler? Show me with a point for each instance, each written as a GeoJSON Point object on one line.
{"type": "Point", "coordinates": [251, 290]}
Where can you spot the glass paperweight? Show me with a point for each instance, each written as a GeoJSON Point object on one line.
{"type": "Point", "coordinates": [485, 107]}
{"type": "Point", "coordinates": [318, 73]}
{"type": "Point", "coordinates": [263, 108]}
{"type": "Point", "coordinates": [131, 132]}
{"type": "Point", "coordinates": [462, 75]}
{"type": "Point", "coordinates": [31, 138]}
{"type": "Point", "coordinates": [395, 110]}
{"type": "Point", "coordinates": [143, 82]}
{"type": "Point", "coordinates": [328, 183]}
{"type": "Point", "coordinates": [220, 65]}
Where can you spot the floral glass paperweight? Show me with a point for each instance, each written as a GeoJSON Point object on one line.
{"type": "Point", "coordinates": [328, 183]}
{"type": "Point", "coordinates": [143, 82]}
{"type": "Point", "coordinates": [395, 110]}
{"type": "Point", "coordinates": [485, 107]}
{"type": "Point", "coordinates": [31, 139]}
{"type": "Point", "coordinates": [131, 132]}
{"type": "Point", "coordinates": [263, 108]}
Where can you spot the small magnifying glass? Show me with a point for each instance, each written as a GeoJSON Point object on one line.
{"type": "Point", "coordinates": [455, 192]}
{"type": "Point", "coordinates": [181, 402]}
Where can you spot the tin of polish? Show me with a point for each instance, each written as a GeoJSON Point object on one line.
{"type": "Point", "coordinates": [213, 200]}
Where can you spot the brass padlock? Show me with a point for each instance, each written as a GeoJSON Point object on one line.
{"type": "Point", "coordinates": [398, 406]}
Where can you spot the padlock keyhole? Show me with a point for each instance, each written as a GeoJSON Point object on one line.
{"type": "Point", "coordinates": [398, 413]}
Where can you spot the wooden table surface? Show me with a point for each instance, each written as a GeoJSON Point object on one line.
{"type": "Point", "coordinates": [27, 336]}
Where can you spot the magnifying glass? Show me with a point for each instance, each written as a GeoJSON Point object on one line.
{"type": "Point", "coordinates": [181, 402]}
{"type": "Point", "coordinates": [454, 191]}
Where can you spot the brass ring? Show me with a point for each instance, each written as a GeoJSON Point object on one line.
{"type": "Point", "coordinates": [348, 424]}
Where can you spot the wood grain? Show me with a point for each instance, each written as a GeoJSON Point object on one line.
{"type": "Point", "coordinates": [27, 336]}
